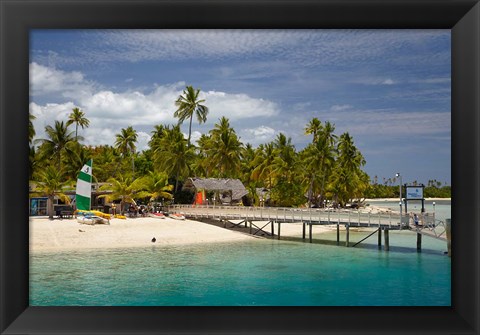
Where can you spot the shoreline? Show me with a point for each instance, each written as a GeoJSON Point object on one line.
{"type": "Point", "coordinates": [69, 235]}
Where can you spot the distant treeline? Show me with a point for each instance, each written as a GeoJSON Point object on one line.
{"type": "Point", "coordinates": [390, 191]}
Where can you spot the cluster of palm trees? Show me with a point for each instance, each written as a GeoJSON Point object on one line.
{"type": "Point", "coordinates": [328, 169]}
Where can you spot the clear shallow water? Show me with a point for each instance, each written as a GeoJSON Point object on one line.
{"type": "Point", "coordinates": [257, 273]}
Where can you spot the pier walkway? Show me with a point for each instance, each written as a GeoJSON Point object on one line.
{"type": "Point", "coordinates": [269, 217]}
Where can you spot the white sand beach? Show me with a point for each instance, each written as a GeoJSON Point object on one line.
{"type": "Point", "coordinates": [67, 234]}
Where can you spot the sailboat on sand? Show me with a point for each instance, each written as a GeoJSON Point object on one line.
{"type": "Point", "coordinates": [83, 196]}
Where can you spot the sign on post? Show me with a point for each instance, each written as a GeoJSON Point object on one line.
{"type": "Point", "coordinates": [414, 193]}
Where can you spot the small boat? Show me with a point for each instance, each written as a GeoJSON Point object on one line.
{"type": "Point", "coordinates": [92, 219]}
{"type": "Point", "coordinates": [177, 216]}
{"type": "Point", "coordinates": [157, 215]}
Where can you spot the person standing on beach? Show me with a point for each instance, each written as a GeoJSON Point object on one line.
{"type": "Point", "coordinates": [415, 219]}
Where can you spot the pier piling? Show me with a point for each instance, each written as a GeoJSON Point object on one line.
{"type": "Point", "coordinates": [448, 228]}
{"type": "Point", "coordinates": [347, 240]}
{"type": "Point", "coordinates": [379, 237]}
{"type": "Point", "coordinates": [387, 239]}
{"type": "Point", "coordinates": [419, 242]}
{"type": "Point", "coordinates": [310, 232]}
{"type": "Point", "coordinates": [338, 233]}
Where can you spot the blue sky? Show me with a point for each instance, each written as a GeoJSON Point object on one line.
{"type": "Point", "coordinates": [390, 89]}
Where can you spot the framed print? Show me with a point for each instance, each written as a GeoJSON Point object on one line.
{"type": "Point", "coordinates": [36, 79]}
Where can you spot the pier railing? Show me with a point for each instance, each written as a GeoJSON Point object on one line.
{"type": "Point", "coordinates": [302, 215]}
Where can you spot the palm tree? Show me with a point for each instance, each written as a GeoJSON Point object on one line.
{"type": "Point", "coordinates": [348, 179]}
{"type": "Point", "coordinates": [122, 189]}
{"type": "Point", "coordinates": [157, 134]}
{"type": "Point", "coordinates": [173, 155]}
{"type": "Point", "coordinates": [202, 165]}
{"type": "Point", "coordinates": [74, 160]}
{"type": "Point", "coordinates": [189, 104]}
{"type": "Point", "coordinates": [154, 185]}
{"type": "Point", "coordinates": [263, 162]}
{"type": "Point", "coordinates": [77, 117]}
{"type": "Point", "coordinates": [328, 141]}
{"type": "Point", "coordinates": [31, 128]}
{"type": "Point", "coordinates": [349, 157]}
{"type": "Point", "coordinates": [247, 157]}
{"type": "Point", "coordinates": [50, 183]}
{"type": "Point", "coordinates": [224, 152]}
{"type": "Point", "coordinates": [125, 143]}
{"type": "Point", "coordinates": [285, 162]}
{"type": "Point", "coordinates": [313, 127]}
{"type": "Point", "coordinates": [57, 141]}
{"type": "Point", "coordinates": [105, 158]}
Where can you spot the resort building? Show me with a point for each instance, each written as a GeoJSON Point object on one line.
{"type": "Point", "coordinates": [216, 191]}
{"type": "Point", "coordinates": [38, 205]}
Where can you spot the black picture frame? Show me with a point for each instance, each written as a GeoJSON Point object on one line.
{"type": "Point", "coordinates": [17, 17]}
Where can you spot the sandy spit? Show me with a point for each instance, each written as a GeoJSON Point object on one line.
{"type": "Point", "coordinates": [67, 234]}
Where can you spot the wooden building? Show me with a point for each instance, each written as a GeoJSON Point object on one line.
{"type": "Point", "coordinates": [218, 191]}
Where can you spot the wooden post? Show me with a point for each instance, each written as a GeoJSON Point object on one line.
{"type": "Point", "coordinates": [250, 225]}
{"type": "Point", "coordinates": [272, 228]}
{"type": "Point", "coordinates": [379, 237]}
{"type": "Point", "coordinates": [303, 230]}
{"type": "Point", "coordinates": [387, 240]}
{"type": "Point", "coordinates": [224, 223]}
{"type": "Point", "coordinates": [347, 240]}
{"type": "Point", "coordinates": [310, 231]}
{"type": "Point", "coordinates": [338, 232]}
{"type": "Point", "coordinates": [278, 229]}
{"type": "Point", "coordinates": [448, 228]}
{"type": "Point", "coordinates": [419, 242]}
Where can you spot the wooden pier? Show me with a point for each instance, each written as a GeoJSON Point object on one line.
{"type": "Point", "coordinates": [266, 219]}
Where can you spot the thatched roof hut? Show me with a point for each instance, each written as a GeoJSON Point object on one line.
{"type": "Point", "coordinates": [226, 190]}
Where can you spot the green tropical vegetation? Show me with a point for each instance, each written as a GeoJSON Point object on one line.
{"type": "Point", "coordinates": [328, 170]}
{"type": "Point", "coordinates": [188, 104]}
{"type": "Point", "coordinates": [51, 183]}
{"type": "Point", "coordinates": [78, 117]}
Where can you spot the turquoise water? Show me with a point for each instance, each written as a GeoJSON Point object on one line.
{"type": "Point", "coordinates": [253, 273]}
{"type": "Point", "coordinates": [258, 273]}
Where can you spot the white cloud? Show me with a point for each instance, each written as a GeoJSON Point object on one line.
{"type": "Point", "coordinates": [45, 80]}
{"type": "Point", "coordinates": [48, 114]}
{"type": "Point", "coordinates": [238, 106]}
{"type": "Point", "coordinates": [194, 137]}
{"type": "Point", "coordinates": [98, 135]}
{"type": "Point", "coordinates": [133, 107]}
{"type": "Point", "coordinates": [142, 140]}
{"type": "Point", "coordinates": [256, 136]}
{"type": "Point", "coordinates": [374, 81]}
{"type": "Point", "coordinates": [339, 108]}
{"type": "Point", "coordinates": [109, 111]}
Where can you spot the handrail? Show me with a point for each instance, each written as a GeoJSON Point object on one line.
{"type": "Point", "coordinates": [392, 219]}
